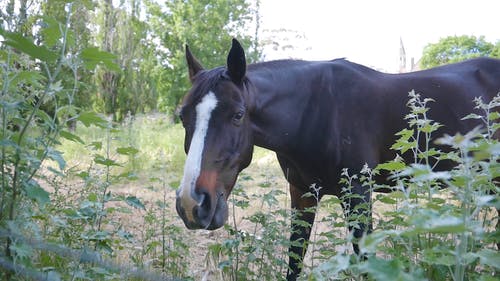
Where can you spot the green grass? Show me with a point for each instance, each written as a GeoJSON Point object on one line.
{"type": "Point", "coordinates": [117, 196]}
{"type": "Point", "coordinates": [159, 143]}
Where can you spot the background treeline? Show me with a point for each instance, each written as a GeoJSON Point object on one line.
{"type": "Point", "coordinates": [146, 70]}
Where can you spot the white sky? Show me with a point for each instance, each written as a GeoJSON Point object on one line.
{"type": "Point", "coordinates": [369, 32]}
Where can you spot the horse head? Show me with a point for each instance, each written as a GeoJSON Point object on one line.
{"type": "Point", "coordinates": [215, 114]}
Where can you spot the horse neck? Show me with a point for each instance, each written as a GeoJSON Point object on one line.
{"type": "Point", "coordinates": [277, 111]}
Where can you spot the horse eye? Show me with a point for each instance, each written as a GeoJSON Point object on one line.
{"type": "Point", "coordinates": [238, 117]}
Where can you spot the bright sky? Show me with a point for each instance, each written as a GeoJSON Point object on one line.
{"type": "Point", "coordinates": [369, 32]}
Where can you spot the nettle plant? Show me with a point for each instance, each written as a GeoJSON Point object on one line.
{"type": "Point", "coordinates": [258, 251]}
{"type": "Point", "coordinates": [435, 225]}
{"type": "Point", "coordinates": [425, 232]}
{"type": "Point", "coordinates": [38, 84]}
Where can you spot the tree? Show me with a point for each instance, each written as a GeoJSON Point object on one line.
{"type": "Point", "coordinates": [208, 27]}
{"type": "Point", "coordinates": [76, 81]}
{"type": "Point", "coordinates": [132, 88]}
{"type": "Point", "coordinates": [457, 48]}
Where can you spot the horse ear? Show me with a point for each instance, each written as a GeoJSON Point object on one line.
{"type": "Point", "coordinates": [193, 65]}
{"type": "Point", "coordinates": [236, 62]}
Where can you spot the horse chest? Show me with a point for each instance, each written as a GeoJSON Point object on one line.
{"type": "Point", "coordinates": [306, 172]}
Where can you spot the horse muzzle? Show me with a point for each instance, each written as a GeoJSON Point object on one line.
{"type": "Point", "coordinates": [202, 206]}
{"type": "Point", "coordinates": [207, 213]}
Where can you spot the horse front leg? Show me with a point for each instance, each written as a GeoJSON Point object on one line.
{"type": "Point", "coordinates": [358, 212]}
{"type": "Point", "coordinates": [301, 226]}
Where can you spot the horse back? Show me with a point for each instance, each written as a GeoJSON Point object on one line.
{"type": "Point", "coordinates": [373, 105]}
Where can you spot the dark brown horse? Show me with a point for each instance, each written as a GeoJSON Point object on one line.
{"type": "Point", "coordinates": [319, 117]}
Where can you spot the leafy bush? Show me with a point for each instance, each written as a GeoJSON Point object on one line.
{"type": "Point", "coordinates": [421, 231]}
{"type": "Point", "coordinates": [66, 213]}
{"type": "Point", "coordinates": [426, 233]}
{"type": "Point", "coordinates": [51, 226]}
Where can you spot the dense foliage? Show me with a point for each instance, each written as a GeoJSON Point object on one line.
{"type": "Point", "coordinates": [457, 48]}
{"type": "Point", "coordinates": [95, 201]}
{"type": "Point", "coordinates": [146, 72]}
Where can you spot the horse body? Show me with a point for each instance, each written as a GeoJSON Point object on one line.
{"type": "Point", "coordinates": [343, 115]}
{"type": "Point", "coordinates": [319, 117]}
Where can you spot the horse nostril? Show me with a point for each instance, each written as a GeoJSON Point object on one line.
{"type": "Point", "coordinates": [203, 209]}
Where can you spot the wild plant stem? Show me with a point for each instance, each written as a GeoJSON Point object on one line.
{"type": "Point", "coordinates": [163, 228]}
{"type": "Point", "coordinates": [236, 267]}
{"type": "Point", "coordinates": [106, 183]}
{"type": "Point", "coordinates": [5, 88]}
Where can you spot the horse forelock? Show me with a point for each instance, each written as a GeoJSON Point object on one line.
{"type": "Point", "coordinates": [204, 82]}
{"type": "Point", "coordinates": [207, 80]}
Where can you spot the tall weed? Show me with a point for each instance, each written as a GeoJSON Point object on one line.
{"type": "Point", "coordinates": [65, 214]}
{"type": "Point", "coordinates": [424, 232]}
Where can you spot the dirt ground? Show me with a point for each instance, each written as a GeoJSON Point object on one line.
{"type": "Point", "coordinates": [264, 172]}
{"type": "Point", "coordinates": [264, 169]}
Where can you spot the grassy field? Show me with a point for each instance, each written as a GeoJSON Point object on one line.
{"type": "Point", "coordinates": [126, 177]}
{"type": "Point", "coordinates": [152, 174]}
{"type": "Point", "coordinates": [259, 210]}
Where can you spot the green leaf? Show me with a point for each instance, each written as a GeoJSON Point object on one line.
{"type": "Point", "coordinates": [405, 134]}
{"type": "Point", "coordinates": [494, 116]}
{"type": "Point", "coordinates": [391, 166]}
{"type": "Point", "coordinates": [8, 143]}
{"type": "Point", "coordinates": [66, 111]}
{"type": "Point", "coordinates": [125, 234]}
{"type": "Point", "coordinates": [92, 197]}
{"type": "Point", "coordinates": [53, 275]}
{"type": "Point", "coordinates": [92, 118]}
{"type": "Point", "coordinates": [25, 45]}
{"type": "Point", "coordinates": [3, 55]}
{"type": "Point", "coordinates": [36, 193]}
{"type": "Point", "coordinates": [370, 242]}
{"type": "Point", "coordinates": [98, 159]}
{"type": "Point", "coordinates": [71, 137]}
{"type": "Point", "coordinates": [32, 77]}
{"type": "Point", "coordinates": [332, 267]}
{"type": "Point", "coordinates": [472, 116]}
{"type": "Point", "coordinates": [430, 127]}
{"type": "Point", "coordinates": [96, 145]}
{"type": "Point", "coordinates": [447, 260]}
{"type": "Point", "coordinates": [22, 250]}
{"type": "Point", "coordinates": [489, 257]}
{"type": "Point", "coordinates": [446, 224]}
{"type": "Point", "coordinates": [51, 32]}
{"type": "Point", "coordinates": [57, 156]}
{"type": "Point", "coordinates": [135, 202]}
{"type": "Point", "coordinates": [11, 105]}
{"type": "Point", "coordinates": [92, 57]}
{"type": "Point", "coordinates": [438, 255]}
{"type": "Point", "coordinates": [381, 269]}
{"type": "Point", "coordinates": [130, 151]}
{"type": "Point", "coordinates": [487, 278]}
{"type": "Point", "coordinates": [174, 184]}
{"type": "Point", "coordinates": [43, 116]}
{"type": "Point", "coordinates": [386, 199]}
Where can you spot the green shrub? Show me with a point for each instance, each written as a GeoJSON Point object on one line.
{"type": "Point", "coordinates": [66, 213]}
{"type": "Point", "coordinates": [425, 233]}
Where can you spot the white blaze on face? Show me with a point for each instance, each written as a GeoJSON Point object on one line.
{"type": "Point", "coordinates": [193, 161]}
